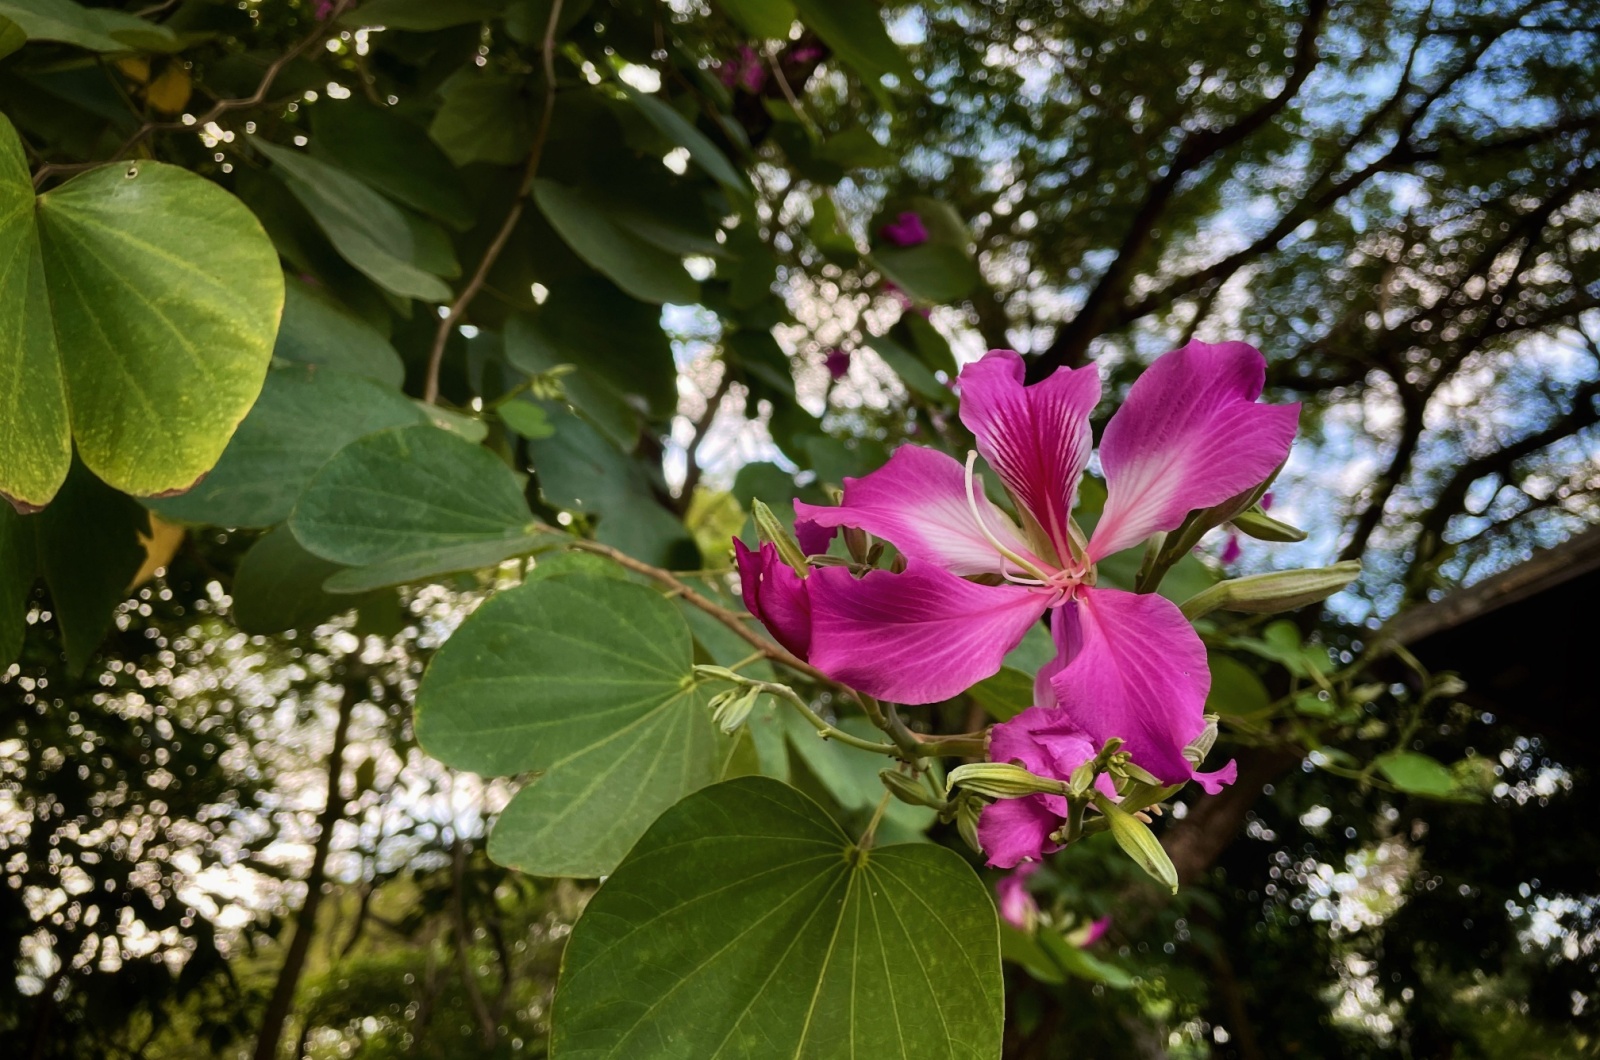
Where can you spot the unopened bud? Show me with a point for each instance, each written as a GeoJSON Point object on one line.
{"type": "Point", "coordinates": [1201, 745]}
{"type": "Point", "coordinates": [906, 789]}
{"type": "Point", "coordinates": [968, 810]}
{"type": "Point", "coordinates": [768, 528]}
{"type": "Point", "coordinates": [1137, 774]}
{"type": "Point", "coordinates": [717, 673]}
{"type": "Point", "coordinates": [1256, 523]}
{"type": "Point", "coordinates": [1081, 780]}
{"type": "Point", "coordinates": [857, 543]}
{"type": "Point", "coordinates": [1002, 780]}
{"type": "Point", "coordinates": [1264, 594]}
{"type": "Point", "coordinates": [1138, 842]}
{"type": "Point", "coordinates": [730, 709]}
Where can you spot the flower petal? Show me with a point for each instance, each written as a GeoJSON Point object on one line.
{"type": "Point", "coordinates": [1013, 830]}
{"type": "Point", "coordinates": [1046, 741]}
{"type": "Point", "coordinates": [1037, 438]}
{"type": "Point", "coordinates": [1190, 435]}
{"type": "Point", "coordinates": [1214, 781]}
{"type": "Point", "coordinates": [813, 539]}
{"type": "Point", "coordinates": [1017, 906]}
{"type": "Point", "coordinates": [1136, 670]}
{"type": "Point", "coordinates": [776, 595]}
{"type": "Point", "coordinates": [919, 636]}
{"type": "Point", "coordinates": [918, 501]}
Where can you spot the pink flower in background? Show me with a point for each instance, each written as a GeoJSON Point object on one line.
{"type": "Point", "coordinates": [837, 362]}
{"type": "Point", "coordinates": [324, 10]}
{"type": "Point", "coordinates": [1095, 931]}
{"type": "Point", "coordinates": [906, 230]}
{"type": "Point", "coordinates": [1017, 906]}
{"type": "Point", "coordinates": [1048, 743]}
{"type": "Point", "coordinates": [1190, 435]}
{"type": "Point", "coordinates": [743, 71]}
{"type": "Point", "coordinates": [1231, 550]}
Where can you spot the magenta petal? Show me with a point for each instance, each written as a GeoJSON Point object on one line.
{"type": "Point", "coordinates": [813, 539]}
{"type": "Point", "coordinates": [1097, 931]}
{"type": "Point", "coordinates": [906, 230]}
{"type": "Point", "coordinates": [1014, 830]}
{"type": "Point", "coordinates": [1036, 437]}
{"type": "Point", "coordinates": [1136, 670]}
{"type": "Point", "coordinates": [1017, 906]}
{"type": "Point", "coordinates": [1190, 435]}
{"type": "Point", "coordinates": [919, 636]}
{"type": "Point", "coordinates": [1048, 742]}
{"type": "Point", "coordinates": [776, 595]}
{"type": "Point", "coordinates": [1214, 781]}
{"type": "Point", "coordinates": [918, 502]}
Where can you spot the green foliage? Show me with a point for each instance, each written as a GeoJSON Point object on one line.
{"type": "Point", "coordinates": [745, 917]}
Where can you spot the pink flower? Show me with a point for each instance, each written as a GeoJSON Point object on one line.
{"type": "Point", "coordinates": [837, 362]}
{"type": "Point", "coordinates": [1230, 549]}
{"type": "Point", "coordinates": [1190, 435]}
{"type": "Point", "coordinates": [776, 595]}
{"type": "Point", "coordinates": [323, 11]}
{"type": "Point", "coordinates": [1017, 906]}
{"type": "Point", "coordinates": [1094, 932]}
{"type": "Point", "coordinates": [1046, 742]}
{"type": "Point", "coordinates": [743, 71]}
{"type": "Point", "coordinates": [907, 230]}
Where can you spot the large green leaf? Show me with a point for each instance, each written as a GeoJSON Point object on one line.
{"type": "Point", "coordinates": [768, 19]}
{"type": "Point", "coordinates": [484, 117]}
{"type": "Point", "coordinates": [305, 415]}
{"type": "Point", "coordinates": [278, 587]}
{"type": "Point", "coordinates": [587, 680]}
{"type": "Point", "coordinates": [746, 924]}
{"type": "Point", "coordinates": [1416, 773]}
{"type": "Point", "coordinates": [392, 155]}
{"type": "Point", "coordinates": [317, 330]}
{"type": "Point", "coordinates": [411, 498]}
{"type": "Point", "coordinates": [932, 272]}
{"type": "Point", "coordinates": [12, 37]}
{"type": "Point", "coordinates": [587, 223]}
{"type": "Point", "coordinates": [422, 15]}
{"type": "Point", "coordinates": [367, 230]}
{"type": "Point", "coordinates": [96, 29]}
{"type": "Point", "coordinates": [138, 305]}
{"type": "Point", "coordinates": [675, 127]}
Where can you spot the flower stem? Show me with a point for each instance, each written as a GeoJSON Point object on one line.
{"type": "Point", "coordinates": [826, 731]}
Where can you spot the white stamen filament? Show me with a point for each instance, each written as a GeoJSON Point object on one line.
{"type": "Point", "coordinates": [972, 504]}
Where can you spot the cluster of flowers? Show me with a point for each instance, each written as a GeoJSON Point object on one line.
{"type": "Point", "coordinates": [971, 582]}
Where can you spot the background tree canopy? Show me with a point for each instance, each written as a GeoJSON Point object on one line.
{"type": "Point", "coordinates": [324, 323]}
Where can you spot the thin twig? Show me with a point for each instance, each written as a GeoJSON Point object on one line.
{"type": "Point", "coordinates": [692, 468]}
{"type": "Point", "coordinates": [441, 337]}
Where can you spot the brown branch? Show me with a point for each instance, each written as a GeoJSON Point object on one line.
{"type": "Point", "coordinates": [441, 337]}
{"type": "Point", "coordinates": [469, 980]}
{"type": "Point", "coordinates": [282, 1002]}
{"type": "Point", "coordinates": [1411, 430]}
{"type": "Point", "coordinates": [1072, 341]}
{"type": "Point", "coordinates": [692, 468]}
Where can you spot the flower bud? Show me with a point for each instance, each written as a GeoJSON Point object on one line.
{"type": "Point", "coordinates": [1139, 843]}
{"type": "Point", "coordinates": [718, 673]}
{"type": "Point", "coordinates": [857, 543]}
{"type": "Point", "coordinates": [769, 529]}
{"type": "Point", "coordinates": [968, 810]}
{"type": "Point", "coordinates": [1002, 780]}
{"type": "Point", "coordinates": [1256, 523]}
{"type": "Point", "coordinates": [730, 709]}
{"type": "Point", "coordinates": [1264, 594]}
{"type": "Point", "coordinates": [907, 790]}
{"type": "Point", "coordinates": [1201, 745]}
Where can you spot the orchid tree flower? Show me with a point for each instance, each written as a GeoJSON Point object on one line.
{"type": "Point", "coordinates": [1017, 906]}
{"type": "Point", "coordinates": [1190, 435]}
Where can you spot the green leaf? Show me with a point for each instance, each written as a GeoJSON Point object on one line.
{"type": "Point", "coordinates": [96, 29]}
{"type": "Point", "coordinates": [857, 149]}
{"type": "Point", "coordinates": [765, 19]}
{"type": "Point", "coordinates": [526, 418]}
{"type": "Point", "coordinates": [366, 229]}
{"type": "Point", "coordinates": [17, 571]}
{"type": "Point", "coordinates": [422, 16]}
{"type": "Point", "coordinates": [433, 563]}
{"type": "Point", "coordinates": [410, 495]}
{"type": "Point", "coordinates": [850, 776]}
{"type": "Point", "coordinates": [304, 416]}
{"type": "Point", "coordinates": [278, 586]}
{"type": "Point", "coordinates": [1005, 695]}
{"type": "Point", "coordinates": [581, 471]}
{"type": "Point", "coordinates": [855, 31]}
{"type": "Point", "coordinates": [483, 117]}
{"type": "Point", "coordinates": [12, 37]}
{"type": "Point", "coordinates": [588, 681]}
{"type": "Point", "coordinates": [675, 127]}
{"type": "Point", "coordinates": [317, 330]}
{"type": "Point", "coordinates": [378, 146]}
{"type": "Point", "coordinates": [87, 543]}
{"type": "Point", "coordinates": [138, 305]}
{"type": "Point", "coordinates": [585, 223]}
{"type": "Point", "coordinates": [745, 923]}
{"type": "Point", "coordinates": [1416, 773]}
{"type": "Point", "coordinates": [932, 272]}
{"type": "Point", "coordinates": [1235, 689]}
{"type": "Point", "coordinates": [912, 372]}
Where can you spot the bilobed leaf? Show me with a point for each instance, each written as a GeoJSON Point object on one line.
{"type": "Point", "coordinates": [366, 229]}
{"type": "Point", "coordinates": [675, 127]}
{"type": "Point", "coordinates": [304, 416]}
{"type": "Point", "coordinates": [316, 330]}
{"type": "Point", "coordinates": [1416, 773]}
{"type": "Point", "coordinates": [138, 305]}
{"type": "Point", "coordinates": [1235, 689]}
{"type": "Point", "coordinates": [854, 30]}
{"type": "Point", "coordinates": [746, 924]}
{"type": "Point", "coordinates": [411, 496]}
{"type": "Point", "coordinates": [766, 19]}
{"type": "Point", "coordinates": [586, 680]}
{"type": "Point", "coordinates": [636, 265]}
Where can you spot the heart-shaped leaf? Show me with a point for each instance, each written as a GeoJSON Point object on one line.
{"type": "Point", "coordinates": [746, 924]}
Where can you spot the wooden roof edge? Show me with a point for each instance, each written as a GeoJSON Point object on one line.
{"type": "Point", "coordinates": [1545, 569]}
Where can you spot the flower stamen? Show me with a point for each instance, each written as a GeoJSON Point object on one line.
{"type": "Point", "coordinates": [972, 504]}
